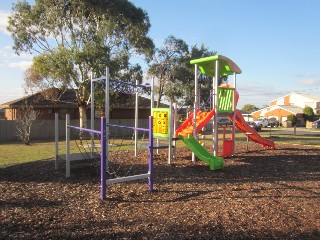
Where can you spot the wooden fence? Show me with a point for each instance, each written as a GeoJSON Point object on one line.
{"type": "Point", "coordinates": [44, 129]}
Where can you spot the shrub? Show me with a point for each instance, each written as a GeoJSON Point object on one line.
{"type": "Point", "coordinates": [308, 114]}
{"type": "Point", "coordinates": [293, 119]}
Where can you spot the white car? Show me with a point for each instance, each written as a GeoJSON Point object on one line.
{"type": "Point", "coordinates": [263, 122]}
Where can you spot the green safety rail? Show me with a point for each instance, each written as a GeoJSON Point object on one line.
{"type": "Point", "coordinates": [225, 99]}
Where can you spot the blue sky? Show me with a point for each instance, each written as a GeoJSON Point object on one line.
{"type": "Point", "coordinates": [275, 43]}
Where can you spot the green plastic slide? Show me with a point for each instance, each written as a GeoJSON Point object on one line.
{"type": "Point", "coordinates": [192, 143]}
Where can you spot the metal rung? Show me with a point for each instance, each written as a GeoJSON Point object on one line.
{"type": "Point", "coordinates": [126, 179]}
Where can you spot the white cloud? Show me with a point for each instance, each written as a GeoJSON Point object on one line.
{"type": "Point", "coordinates": [9, 59]}
{"type": "Point", "coordinates": [7, 53]}
{"type": "Point", "coordinates": [308, 79]}
{"type": "Point", "coordinates": [11, 94]}
{"type": "Point", "coordinates": [310, 82]}
{"type": "Point", "coordinates": [4, 22]}
{"type": "Point", "coordinates": [22, 64]}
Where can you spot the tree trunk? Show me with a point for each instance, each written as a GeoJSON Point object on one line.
{"type": "Point", "coordinates": [83, 116]}
{"type": "Point", "coordinates": [160, 93]}
{"type": "Point", "coordinates": [158, 100]}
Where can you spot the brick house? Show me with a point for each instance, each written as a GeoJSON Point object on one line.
{"type": "Point", "coordinates": [121, 106]}
{"type": "Point", "coordinates": [293, 103]}
{"type": "Point", "coordinates": [1, 113]}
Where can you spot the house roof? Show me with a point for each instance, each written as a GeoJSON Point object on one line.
{"type": "Point", "coordinates": [289, 108]}
{"type": "Point", "coordinates": [39, 100]}
{"type": "Point", "coordinates": [68, 100]}
{"type": "Point", "coordinates": [292, 108]}
{"type": "Point", "coordinates": [310, 96]}
{"type": "Point", "coordinates": [313, 97]}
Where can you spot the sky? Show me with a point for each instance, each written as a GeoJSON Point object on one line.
{"type": "Point", "coordinates": [275, 43]}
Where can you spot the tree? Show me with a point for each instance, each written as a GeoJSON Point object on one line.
{"type": "Point", "coordinates": [204, 81]}
{"type": "Point", "coordinates": [166, 62]}
{"type": "Point", "coordinates": [308, 114]}
{"type": "Point", "coordinates": [171, 67]}
{"type": "Point", "coordinates": [293, 119]}
{"type": "Point", "coordinates": [249, 107]}
{"type": "Point", "coordinates": [74, 37]}
{"type": "Point", "coordinates": [25, 119]}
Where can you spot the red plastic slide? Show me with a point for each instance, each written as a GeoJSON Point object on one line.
{"type": "Point", "coordinates": [187, 126]}
{"type": "Point", "coordinates": [250, 132]}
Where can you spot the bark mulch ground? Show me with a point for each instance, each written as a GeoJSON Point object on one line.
{"type": "Point", "coordinates": [260, 194]}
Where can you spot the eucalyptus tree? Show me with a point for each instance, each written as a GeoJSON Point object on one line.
{"type": "Point", "coordinates": [166, 63]}
{"type": "Point", "coordinates": [204, 81]}
{"type": "Point", "coordinates": [174, 74]}
{"type": "Point", "coordinates": [71, 38]}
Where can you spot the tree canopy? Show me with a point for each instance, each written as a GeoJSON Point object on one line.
{"type": "Point", "coordinates": [74, 37]}
{"type": "Point", "coordinates": [293, 119]}
{"type": "Point", "coordinates": [249, 107]}
{"type": "Point", "coordinates": [174, 74]}
{"type": "Point", "coordinates": [308, 113]}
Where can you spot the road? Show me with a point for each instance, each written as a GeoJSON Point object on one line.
{"type": "Point", "coordinates": [299, 131]}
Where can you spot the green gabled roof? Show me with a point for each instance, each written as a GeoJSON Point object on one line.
{"type": "Point", "coordinates": [207, 65]}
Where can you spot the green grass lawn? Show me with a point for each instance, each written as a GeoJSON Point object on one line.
{"type": "Point", "coordinates": [16, 152]}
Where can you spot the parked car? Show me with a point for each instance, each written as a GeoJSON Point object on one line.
{"type": "Point", "coordinates": [273, 122]}
{"type": "Point", "coordinates": [224, 121]}
{"type": "Point", "coordinates": [254, 126]}
{"type": "Point", "coordinates": [262, 122]}
{"type": "Point", "coordinates": [316, 124]}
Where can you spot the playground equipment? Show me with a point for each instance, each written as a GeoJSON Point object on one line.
{"type": "Point", "coordinates": [164, 125]}
{"type": "Point", "coordinates": [104, 134]}
{"type": "Point", "coordinates": [83, 154]}
{"type": "Point", "coordinates": [101, 153]}
{"type": "Point", "coordinates": [252, 134]}
{"type": "Point", "coordinates": [104, 166]}
{"type": "Point", "coordinates": [224, 100]}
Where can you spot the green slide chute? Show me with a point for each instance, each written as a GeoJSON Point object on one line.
{"type": "Point", "coordinates": [215, 163]}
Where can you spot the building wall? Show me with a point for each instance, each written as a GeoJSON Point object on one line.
{"type": "Point", "coordinates": [261, 113]}
{"type": "Point", "coordinates": [283, 101]}
{"type": "Point", "coordinates": [45, 113]}
{"type": "Point", "coordinates": [9, 114]}
{"type": "Point", "coordinates": [129, 113]}
{"type": "Point", "coordinates": [301, 101]}
{"type": "Point", "coordinates": [279, 113]}
{"type": "Point", "coordinates": [280, 101]}
{"type": "Point", "coordinates": [286, 100]}
{"type": "Point", "coordinates": [48, 113]}
{"type": "Point", "coordinates": [256, 115]}
{"type": "Point", "coordinates": [45, 129]}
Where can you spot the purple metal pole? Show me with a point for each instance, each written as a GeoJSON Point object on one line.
{"type": "Point", "coordinates": [150, 161]}
{"type": "Point", "coordinates": [103, 160]}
